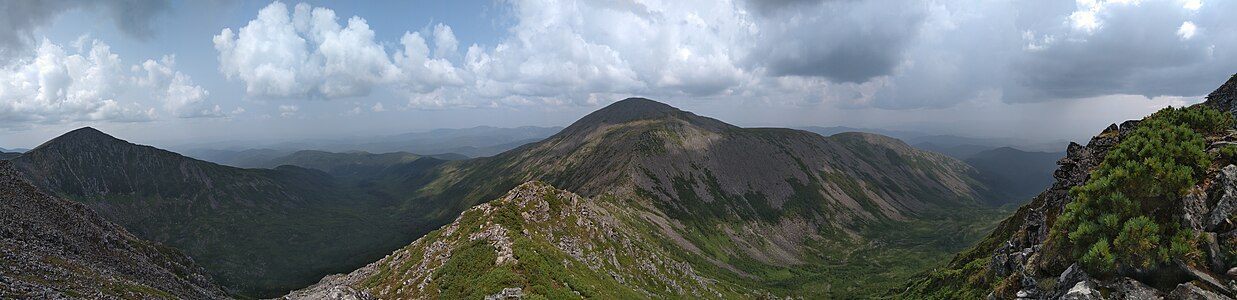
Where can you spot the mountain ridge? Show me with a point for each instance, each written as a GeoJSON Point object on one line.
{"type": "Point", "coordinates": [794, 198]}
{"type": "Point", "coordinates": [219, 214]}
{"type": "Point", "coordinates": [55, 248]}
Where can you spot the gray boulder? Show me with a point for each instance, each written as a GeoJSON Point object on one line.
{"type": "Point", "coordinates": [1226, 205]}
{"type": "Point", "coordinates": [1191, 291]}
{"type": "Point", "coordinates": [1070, 279]}
{"type": "Point", "coordinates": [1127, 288]}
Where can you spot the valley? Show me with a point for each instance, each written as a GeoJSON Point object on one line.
{"type": "Point", "coordinates": [851, 205]}
{"type": "Point", "coordinates": [650, 149]}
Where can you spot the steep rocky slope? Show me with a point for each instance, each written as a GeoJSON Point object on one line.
{"type": "Point", "coordinates": [52, 248]}
{"type": "Point", "coordinates": [536, 241]}
{"type": "Point", "coordinates": [260, 232]}
{"type": "Point", "coordinates": [1028, 256]}
{"type": "Point", "coordinates": [785, 209]}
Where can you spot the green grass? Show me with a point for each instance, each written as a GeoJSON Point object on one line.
{"type": "Point", "coordinates": [843, 268]}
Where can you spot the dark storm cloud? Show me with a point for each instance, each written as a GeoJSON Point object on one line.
{"type": "Point", "coordinates": [21, 17]}
{"type": "Point", "coordinates": [133, 16]}
{"type": "Point", "coordinates": [1136, 50]}
{"type": "Point", "coordinates": [843, 41]}
{"type": "Point", "coordinates": [1033, 51]}
{"type": "Point", "coordinates": [773, 6]}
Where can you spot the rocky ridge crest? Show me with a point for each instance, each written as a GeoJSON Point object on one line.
{"type": "Point", "coordinates": [552, 243]}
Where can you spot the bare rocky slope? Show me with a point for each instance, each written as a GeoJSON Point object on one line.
{"type": "Point", "coordinates": [1018, 261]}
{"type": "Point", "coordinates": [778, 211]}
{"type": "Point", "coordinates": [52, 248]}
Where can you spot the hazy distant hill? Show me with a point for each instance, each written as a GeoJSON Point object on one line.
{"type": "Point", "coordinates": [354, 165]}
{"type": "Point", "coordinates": [442, 143]}
{"type": "Point", "coordinates": [959, 151]}
{"type": "Point", "coordinates": [960, 147]}
{"type": "Point", "coordinates": [52, 248]}
{"type": "Point", "coordinates": [248, 158]}
{"type": "Point", "coordinates": [1020, 174]}
{"type": "Point", "coordinates": [767, 209]}
{"type": "Point", "coordinates": [898, 134]}
{"type": "Point", "coordinates": [445, 144]}
{"type": "Point", "coordinates": [1017, 174]}
{"type": "Point", "coordinates": [259, 231]}
{"type": "Point", "coordinates": [472, 142]}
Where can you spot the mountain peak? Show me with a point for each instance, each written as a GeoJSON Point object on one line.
{"type": "Point", "coordinates": [636, 109]}
{"type": "Point", "coordinates": [87, 132]}
{"type": "Point", "coordinates": [631, 109]}
{"type": "Point", "coordinates": [84, 135]}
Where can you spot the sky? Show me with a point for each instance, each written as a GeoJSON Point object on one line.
{"type": "Point", "coordinates": [181, 72]}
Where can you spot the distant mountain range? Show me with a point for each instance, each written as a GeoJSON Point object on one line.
{"type": "Point", "coordinates": [960, 147]}
{"type": "Point", "coordinates": [14, 150]}
{"type": "Point", "coordinates": [1019, 174]}
{"type": "Point", "coordinates": [356, 165]}
{"type": "Point", "coordinates": [443, 143]}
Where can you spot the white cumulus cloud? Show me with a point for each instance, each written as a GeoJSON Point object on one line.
{"type": "Point", "coordinates": [88, 82]}
{"type": "Point", "coordinates": [303, 53]}
{"type": "Point", "coordinates": [864, 53]}
{"type": "Point", "coordinates": [1186, 31]}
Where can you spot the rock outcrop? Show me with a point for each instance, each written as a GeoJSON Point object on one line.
{"type": "Point", "coordinates": [1224, 98]}
{"type": "Point", "coordinates": [52, 248]}
{"type": "Point", "coordinates": [1019, 267]}
{"type": "Point", "coordinates": [1034, 220]}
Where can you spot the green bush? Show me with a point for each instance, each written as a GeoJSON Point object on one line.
{"type": "Point", "coordinates": [1113, 226]}
{"type": "Point", "coordinates": [1228, 154]}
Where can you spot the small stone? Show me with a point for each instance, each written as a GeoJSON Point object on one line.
{"type": "Point", "coordinates": [507, 294]}
{"type": "Point", "coordinates": [1084, 290]}
{"type": "Point", "coordinates": [1128, 288]}
{"type": "Point", "coordinates": [1023, 294]}
{"type": "Point", "coordinates": [1232, 272]}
